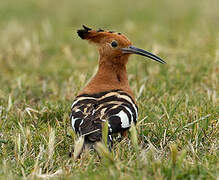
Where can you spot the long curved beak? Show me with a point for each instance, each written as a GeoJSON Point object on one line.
{"type": "Point", "coordinates": [134, 50]}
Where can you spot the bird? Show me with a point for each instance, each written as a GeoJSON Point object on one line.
{"type": "Point", "coordinates": [107, 96]}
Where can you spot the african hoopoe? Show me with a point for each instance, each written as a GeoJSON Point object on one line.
{"type": "Point", "coordinates": [108, 95]}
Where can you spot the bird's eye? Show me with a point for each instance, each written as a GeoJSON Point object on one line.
{"type": "Point", "coordinates": [114, 44]}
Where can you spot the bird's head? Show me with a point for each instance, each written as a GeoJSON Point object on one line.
{"type": "Point", "coordinates": [113, 46]}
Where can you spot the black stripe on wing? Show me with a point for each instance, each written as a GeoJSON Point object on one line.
{"type": "Point", "coordinates": [90, 110]}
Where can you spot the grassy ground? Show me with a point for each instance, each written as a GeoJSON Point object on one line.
{"type": "Point", "coordinates": [43, 64]}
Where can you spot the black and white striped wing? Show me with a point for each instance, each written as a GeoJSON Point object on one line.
{"type": "Point", "coordinates": [89, 111]}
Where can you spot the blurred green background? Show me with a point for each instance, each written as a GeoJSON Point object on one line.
{"type": "Point", "coordinates": [43, 65]}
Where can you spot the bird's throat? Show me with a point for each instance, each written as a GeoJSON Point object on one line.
{"type": "Point", "coordinates": [113, 72]}
{"type": "Point", "coordinates": [110, 75]}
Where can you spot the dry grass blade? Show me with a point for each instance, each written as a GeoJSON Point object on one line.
{"type": "Point", "coordinates": [78, 146]}
{"type": "Point", "coordinates": [36, 165]}
{"type": "Point", "coordinates": [51, 144]}
{"type": "Point", "coordinates": [140, 91]}
{"type": "Point", "coordinates": [50, 149]}
{"type": "Point", "coordinates": [9, 103]}
{"type": "Point", "coordinates": [139, 123]}
{"type": "Point", "coordinates": [200, 119]}
{"type": "Point", "coordinates": [50, 175]}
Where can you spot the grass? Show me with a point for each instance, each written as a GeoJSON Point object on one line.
{"type": "Point", "coordinates": [43, 65]}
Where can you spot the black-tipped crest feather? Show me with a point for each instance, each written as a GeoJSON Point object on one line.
{"type": "Point", "coordinates": [82, 32]}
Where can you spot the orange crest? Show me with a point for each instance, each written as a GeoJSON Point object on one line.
{"type": "Point", "coordinates": [100, 36]}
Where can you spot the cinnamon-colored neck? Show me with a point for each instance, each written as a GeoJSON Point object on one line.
{"type": "Point", "coordinates": [111, 75]}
